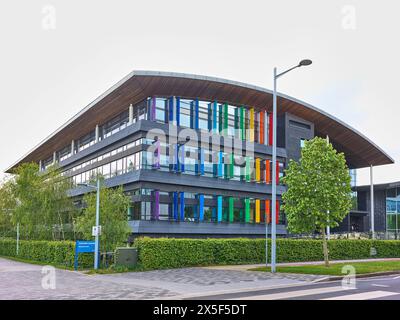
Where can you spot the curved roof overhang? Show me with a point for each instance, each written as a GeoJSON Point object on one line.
{"type": "Point", "coordinates": [359, 150]}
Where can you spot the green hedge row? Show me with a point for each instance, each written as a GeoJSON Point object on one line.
{"type": "Point", "coordinates": [60, 253]}
{"type": "Point", "coordinates": [160, 253]}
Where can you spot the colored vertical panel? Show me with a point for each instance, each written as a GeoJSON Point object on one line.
{"type": "Point", "coordinates": [268, 171]}
{"type": "Point", "coordinates": [262, 127]}
{"type": "Point", "coordinates": [247, 169]}
{"type": "Point", "coordinates": [251, 124]}
{"type": "Point", "coordinates": [268, 210]}
{"type": "Point", "coordinates": [178, 111]}
{"type": "Point", "coordinates": [220, 164]}
{"type": "Point", "coordinates": [182, 206]}
{"type": "Point", "coordinates": [277, 212]}
{"type": "Point", "coordinates": [231, 166]}
{"type": "Point", "coordinates": [196, 113]}
{"type": "Point", "coordinates": [176, 157]}
{"type": "Point", "coordinates": [171, 109]}
{"type": "Point", "coordinates": [214, 114]}
{"type": "Point", "coordinates": [277, 172]}
{"type": "Point", "coordinates": [231, 208]}
{"type": "Point", "coordinates": [192, 114]}
{"type": "Point", "coordinates": [201, 207]}
{"type": "Point", "coordinates": [247, 210]}
{"type": "Point", "coordinates": [258, 169]}
{"type": "Point", "coordinates": [219, 208]}
{"type": "Point", "coordinates": [225, 119]}
{"type": "Point", "coordinates": [175, 205]}
{"type": "Point", "coordinates": [242, 120]}
{"type": "Point", "coordinates": [258, 215]}
{"type": "Point", "coordinates": [270, 129]}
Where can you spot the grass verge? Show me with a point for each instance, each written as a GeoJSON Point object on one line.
{"type": "Point", "coordinates": [335, 269]}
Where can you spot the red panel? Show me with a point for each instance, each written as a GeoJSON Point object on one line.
{"type": "Point", "coordinates": [270, 129]}
{"type": "Point", "coordinates": [277, 172]}
{"type": "Point", "coordinates": [277, 212]}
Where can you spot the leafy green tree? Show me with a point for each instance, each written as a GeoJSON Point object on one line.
{"type": "Point", "coordinates": [7, 205]}
{"type": "Point", "coordinates": [318, 190]}
{"type": "Point", "coordinates": [42, 206]}
{"type": "Point", "coordinates": [113, 217]}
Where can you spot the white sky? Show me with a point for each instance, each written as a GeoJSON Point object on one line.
{"type": "Point", "coordinates": [48, 75]}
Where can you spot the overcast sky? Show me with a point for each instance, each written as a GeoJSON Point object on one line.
{"type": "Point", "coordinates": [57, 56]}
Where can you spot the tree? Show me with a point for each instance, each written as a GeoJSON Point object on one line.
{"type": "Point", "coordinates": [318, 190]}
{"type": "Point", "coordinates": [7, 204]}
{"type": "Point", "coordinates": [42, 206]}
{"type": "Point", "coordinates": [114, 206]}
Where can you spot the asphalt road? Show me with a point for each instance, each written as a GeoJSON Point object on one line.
{"type": "Point", "coordinates": [376, 288]}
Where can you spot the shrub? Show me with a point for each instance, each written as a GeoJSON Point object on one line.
{"type": "Point", "coordinates": [161, 253]}
{"type": "Point", "coordinates": [60, 253]}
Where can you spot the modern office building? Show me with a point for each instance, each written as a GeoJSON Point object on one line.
{"type": "Point", "coordinates": [193, 152]}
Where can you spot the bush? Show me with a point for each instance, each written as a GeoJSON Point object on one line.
{"type": "Point", "coordinates": [162, 253]}
{"type": "Point", "coordinates": [59, 253]}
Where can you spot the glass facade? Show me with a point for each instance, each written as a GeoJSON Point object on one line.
{"type": "Point", "coordinates": [393, 210]}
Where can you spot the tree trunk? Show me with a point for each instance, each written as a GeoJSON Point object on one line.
{"type": "Point", "coordinates": [325, 247]}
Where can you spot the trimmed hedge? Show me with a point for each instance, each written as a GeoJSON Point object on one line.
{"type": "Point", "coordinates": [163, 253]}
{"type": "Point", "coordinates": [60, 253]}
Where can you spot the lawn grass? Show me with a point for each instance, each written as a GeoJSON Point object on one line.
{"type": "Point", "coordinates": [335, 269]}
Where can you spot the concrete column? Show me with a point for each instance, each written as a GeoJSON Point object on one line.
{"type": "Point", "coordinates": [372, 201]}
{"type": "Point", "coordinates": [54, 157]}
{"type": "Point", "coordinates": [97, 134]}
{"type": "Point", "coordinates": [40, 165]}
{"type": "Point", "coordinates": [72, 147]}
{"type": "Point", "coordinates": [130, 114]}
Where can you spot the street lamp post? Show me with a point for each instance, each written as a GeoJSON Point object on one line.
{"type": "Point", "coordinates": [305, 62]}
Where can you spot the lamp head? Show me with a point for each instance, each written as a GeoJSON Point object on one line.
{"type": "Point", "coordinates": [305, 62]}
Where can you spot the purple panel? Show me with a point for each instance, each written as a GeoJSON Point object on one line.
{"type": "Point", "coordinates": [153, 109]}
{"type": "Point", "coordinates": [156, 205]}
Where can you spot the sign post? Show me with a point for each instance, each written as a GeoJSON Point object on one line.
{"type": "Point", "coordinates": [82, 246]}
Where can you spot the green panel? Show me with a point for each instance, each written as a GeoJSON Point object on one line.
{"type": "Point", "coordinates": [226, 118]}
{"type": "Point", "coordinates": [247, 210]}
{"type": "Point", "coordinates": [231, 208]}
{"type": "Point", "coordinates": [247, 170]}
{"type": "Point", "coordinates": [242, 123]}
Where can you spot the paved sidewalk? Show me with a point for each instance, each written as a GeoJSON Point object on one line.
{"type": "Point", "coordinates": [24, 281]}
{"type": "Point", "coordinates": [245, 267]}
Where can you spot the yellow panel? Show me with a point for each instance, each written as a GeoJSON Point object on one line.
{"type": "Point", "coordinates": [257, 210]}
{"type": "Point", "coordinates": [258, 169]}
{"type": "Point", "coordinates": [251, 138]}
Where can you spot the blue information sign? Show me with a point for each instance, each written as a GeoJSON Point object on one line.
{"type": "Point", "coordinates": [82, 246]}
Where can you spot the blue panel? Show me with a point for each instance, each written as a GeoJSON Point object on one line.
{"type": "Point", "coordinates": [192, 114]}
{"type": "Point", "coordinates": [175, 205]}
{"type": "Point", "coordinates": [219, 208]}
{"type": "Point", "coordinates": [178, 108]}
{"type": "Point", "coordinates": [171, 109]}
{"type": "Point", "coordinates": [220, 165]}
{"type": "Point", "coordinates": [196, 113]}
{"type": "Point", "coordinates": [201, 207]}
{"type": "Point", "coordinates": [182, 206]}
